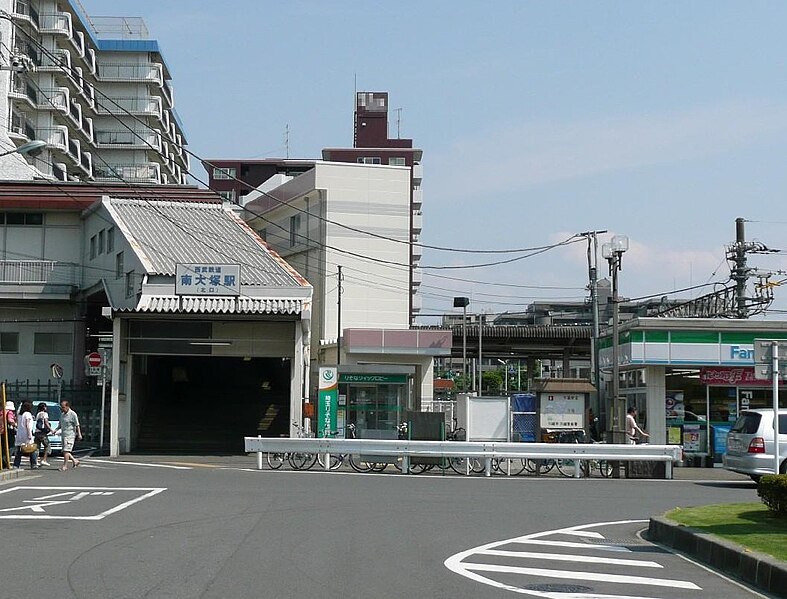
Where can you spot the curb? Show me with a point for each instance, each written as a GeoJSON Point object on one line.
{"type": "Point", "coordinates": [6, 475]}
{"type": "Point", "coordinates": [762, 571]}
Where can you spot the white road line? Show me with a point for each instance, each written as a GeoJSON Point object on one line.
{"type": "Point", "coordinates": [45, 497]}
{"type": "Point", "coordinates": [566, 557]}
{"type": "Point", "coordinates": [616, 548]}
{"type": "Point", "coordinates": [576, 575]}
{"type": "Point", "coordinates": [142, 464]}
{"type": "Point", "coordinates": [79, 496]}
{"type": "Point", "coordinates": [585, 533]}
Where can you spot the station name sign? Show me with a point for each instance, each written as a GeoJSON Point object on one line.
{"type": "Point", "coordinates": [207, 279]}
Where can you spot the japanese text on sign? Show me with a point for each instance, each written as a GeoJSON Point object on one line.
{"type": "Point", "coordinates": [561, 410]}
{"type": "Point", "coordinates": [207, 279]}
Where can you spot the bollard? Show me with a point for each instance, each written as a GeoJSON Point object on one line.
{"type": "Point", "coordinates": [327, 462]}
{"type": "Point", "coordinates": [577, 468]}
{"type": "Point", "coordinates": [405, 464]}
{"type": "Point", "coordinates": [488, 466]}
{"type": "Point", "coordinates": [259, 456]}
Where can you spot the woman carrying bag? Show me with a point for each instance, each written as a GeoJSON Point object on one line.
{"type": "Point", "coordinates": [25, 435]}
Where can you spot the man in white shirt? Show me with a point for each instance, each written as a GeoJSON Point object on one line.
{"type": "Point", "coordinates": [69, 425]}
{"type": "Point", "coordinates": [633, 431]}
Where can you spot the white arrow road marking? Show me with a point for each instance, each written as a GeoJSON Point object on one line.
{"type": "Point", "coordinates": [39, 507]}
{"type": "Point", "coordinates": [45, 497]}
{"type": "Point", "coordinates": [564, 557]}
{"type": "Point", "coordinates": [474, 571]}
{"type": "Point", "coordinates": [601, 577]}
{"type": "Point", "coordinates": [79, 496]}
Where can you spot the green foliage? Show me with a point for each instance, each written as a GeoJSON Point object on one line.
{"type": "Point", "coordinates": [493, 381]}
{"type": "Point", "coordinates": [772, 489]}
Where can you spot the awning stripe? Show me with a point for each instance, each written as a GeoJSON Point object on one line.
{"type": "Point", "coordinates": [188, 304]}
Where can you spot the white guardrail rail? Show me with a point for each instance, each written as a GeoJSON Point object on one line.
{"type": "Point", "coordinates": [487, 450]}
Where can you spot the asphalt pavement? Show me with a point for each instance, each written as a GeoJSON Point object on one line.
{"type": "Point", "coordinates": [187, 527]}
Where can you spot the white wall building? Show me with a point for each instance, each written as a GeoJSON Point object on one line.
{"type": "Point", "coordinates": [356, 216]}
{"type": "Point", "coordinates": [97, 90]}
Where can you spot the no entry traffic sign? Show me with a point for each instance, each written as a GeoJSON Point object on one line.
{"type": "Point", "coordinates": [94, 359]}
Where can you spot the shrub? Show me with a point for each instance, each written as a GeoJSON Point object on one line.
{"type": "Point", "coordinates": [772, 489]}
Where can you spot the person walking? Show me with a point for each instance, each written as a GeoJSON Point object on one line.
{"type": "Point", "coordinates": [70, 432]}
{"type": "Point", "coordinates": [9, 416]}
{"type": "Point", "coordinates": [25, 434]}
{"type": "Point", "coordinates": [633, 431]}
{"type": "Point", "coordinates": [43, 430]}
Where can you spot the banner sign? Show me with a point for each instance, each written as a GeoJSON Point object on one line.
{"type": "Point", "coordinates": [562, 410]}
{"type": "Point", "coordinates": [731, 376]}
{"type": "Point", "coordinates": [327, 400]}
{"type": "Point", "coordinates": [372, 378]}
{"type": "Point", "coordinates": [207, 279]}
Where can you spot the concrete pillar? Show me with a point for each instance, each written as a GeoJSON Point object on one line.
{"type": "Point", "coordinates": [114, 402]}
{"type": "Point", "coordinates": [655, 396]}
{"type": "Point", "coordinates": [566, 362]}
{"type": "Point", "coordinates": [296, 381]}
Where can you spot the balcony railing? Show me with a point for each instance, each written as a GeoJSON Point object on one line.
{"type": "Point", "coordinates": [56, 138]}
{"type": "Point", "coordinates": [20, 125]}
{"type": "Point", "coordinates": [131, 72]}
{"type": "Point", "coordinates": [22, 8]}
{"type": "Point", "coordinates": [57, 99]}
{"type": "Point", "coordinates": [59, 61]}
{"type": "Point", "coordinates": [143, 105]}
{"type": "Point", "coordinates": [55, 23]}
{"type": "Point", "coordinates": [38, 272]}
{"type": "Point", "coordinates": [125, 139]}
{"type": "Point", "coordinates": [131, 173]}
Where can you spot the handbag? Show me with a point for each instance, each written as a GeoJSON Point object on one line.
{"type": "Point", "coordinates": [28, 448]}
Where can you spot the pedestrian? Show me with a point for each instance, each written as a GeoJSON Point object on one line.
{"type": "Point", "coordinates": [9, 416]}
{"type": "Point", "coordinates": [43, 430]}
{"type": "Point", "coordinates": [593, 426]}
{"type": "Point", "coordinates": [633, 431]}
{"type": "Point", "coordinates": [25, 434]}
{"type": "Point", "coordinates": [70, 432]}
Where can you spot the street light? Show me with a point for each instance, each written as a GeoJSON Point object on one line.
{"type": "Point", "coordinates": [463, 302]}
{"type": "Point", "coordinates": [613, 253]}
{"type": "Point", "coordinates": [33, 148]}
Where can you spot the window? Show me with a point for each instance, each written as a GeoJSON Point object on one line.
{"type": "Point", "coordinates": [118, 265]}
{"type": "Point", "coordinates": [9, 343]}
{"type": "Point", "coordinates": [22, 218]}
{"type": "Point", "coordinates": [295, 227]}
{"type": "Point", "coordinates": [228, 196]}
{"type": "Point", "coordinates": [101, 241]}
{"type": "Point", "coordinates": [52, 343]}
{"type": "Point", "coordinates": [93, 247]}
{"type": "Point", "coordinates": [224, 173]}
{"type": "Point", "coordinates": [130, 284]}
{"type": "Point", "coordinates": [110, 240]}
{"type": "Point", "coordinates": [369, 160]}
{"type": "Point", "coordinates": [397, 161]}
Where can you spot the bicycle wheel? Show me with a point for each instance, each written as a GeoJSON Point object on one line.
{"type": "Point", "coordinates": [336, 461]}
{"type": "Point", "coordinates": [302, 461]}
{"type": "Point", "coordinates": [509, 466]}
{"type": "Point", "coordinates": [466, 465]}
{"type": "Point", "coordinates": [539, 466]}
{"type": "Point", "coordinates": [359, 465]}
{"type": "Point", "coordinates": [568, 468]}
{"type": "Point", "coordinates": [604, 468]}
{"type": "Point", "coordinates": [275, 460]}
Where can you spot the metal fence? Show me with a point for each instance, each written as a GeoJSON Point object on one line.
{"type": "Point", "coordinates": [85, 399]}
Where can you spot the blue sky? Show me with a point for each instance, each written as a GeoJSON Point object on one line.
{"type": "Point", "coordinates": [663, 121]}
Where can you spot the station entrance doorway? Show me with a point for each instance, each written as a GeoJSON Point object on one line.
{"type": "Point", "coordinates": [207, 404]}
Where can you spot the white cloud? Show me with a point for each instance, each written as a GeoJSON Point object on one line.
{"type": "Point", "coordinates": [542, 152]}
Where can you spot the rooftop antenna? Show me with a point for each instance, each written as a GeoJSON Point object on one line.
{"type": "Point", "coordinates": [355, 110]}
{"type": "Point", "coordinates": [398, 122]}
{"type": "Point", "coordinates": [287, 140]}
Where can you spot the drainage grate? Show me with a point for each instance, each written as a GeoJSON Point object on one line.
{"type": "Point", "coordinates": [558, 588]}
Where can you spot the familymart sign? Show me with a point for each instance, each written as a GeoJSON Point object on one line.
{"type": "Point", "coordinates": [697, 348]}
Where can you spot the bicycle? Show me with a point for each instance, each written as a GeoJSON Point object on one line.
{"type": "Point", "coordinates": [337, 459]}
{"type": "Point", "coordinates": [457, 464]}
{"type": "Point", "coordinates": [568, 466]}
{"type": "Point", "coordinates": [296, 460]}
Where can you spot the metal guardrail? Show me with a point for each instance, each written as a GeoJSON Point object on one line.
{"type": "Point", "coordinates": [487, 450]}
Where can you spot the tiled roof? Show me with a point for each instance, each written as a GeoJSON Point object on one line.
{"type": "Point", "coordinates": [219, 305]}
{"type": "Point", "coordinates": [164, 234]}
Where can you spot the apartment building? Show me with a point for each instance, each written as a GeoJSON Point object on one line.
{"type": "Point", "coordinates": [97, 90]}
{"type": "Point", "coordinates": [373, 144]}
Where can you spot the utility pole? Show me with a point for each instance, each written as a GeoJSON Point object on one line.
{"type": "Point", "coordinates": [340, 278]}
{"type": "Point", "coordinates": [740, 273]}
{"type": "Point", "coordinates": [592, 237]}
{"type": "Point", "coordinates": [480, 355]}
